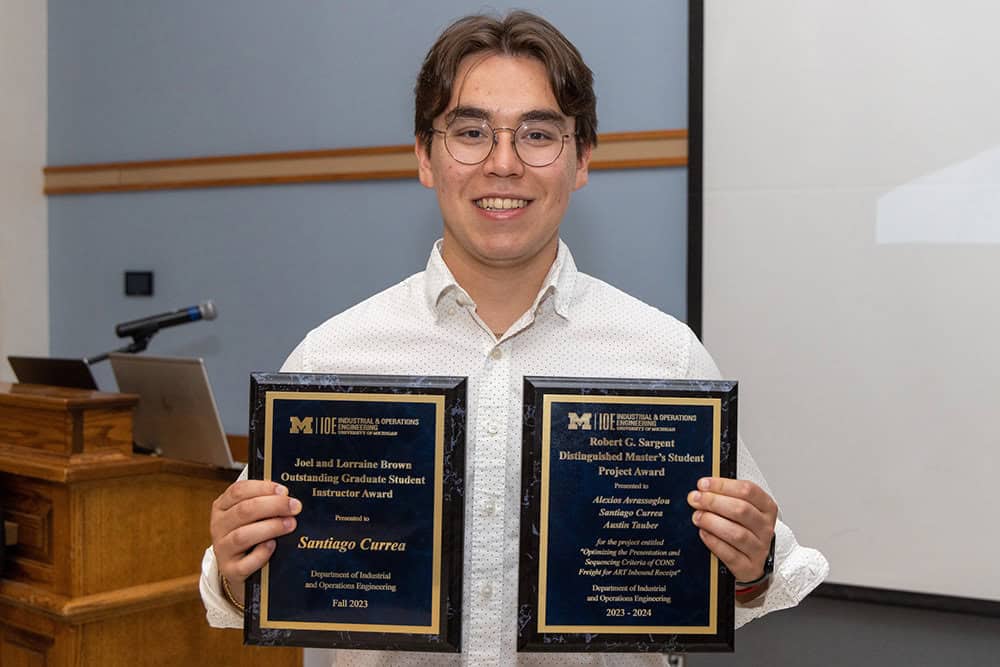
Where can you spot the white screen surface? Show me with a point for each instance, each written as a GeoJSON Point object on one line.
{"type": "Point", "coordinates": [852, 273]}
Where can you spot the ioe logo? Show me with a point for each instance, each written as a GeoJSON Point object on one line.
{"type": "Point", "coordinates": [301, 425]}
{"type": "Point", "coordinates": [580, 422]}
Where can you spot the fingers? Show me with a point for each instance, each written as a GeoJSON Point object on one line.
{"type": "Point", "coordinates": [740, 541]}
{"type": "Point", "coordinates": [245, 521]}
{"type": "Point", "coordinates": [246, 537]}
{"type": "Point", "coordinates": [252, 506]}
{"type": "Point", "coordinates": [245, 489]}
{"type": "Point", "coordinates": [737, 519]}
{"type": "Point", "coordinates": [741, 565]}
{"type": "Point", "coordinates": [246, 549]}
{"type": "Point", "coordinates": [241, 549]}
{"type": "Point", "coordinates": [737, 511]}
{"type": "Point", "coordinates": [740, 489]}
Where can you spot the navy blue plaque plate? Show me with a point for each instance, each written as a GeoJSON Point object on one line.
{"type": "Point", "coordinates": [610, 560]}
{"type": "Point", "coordinates": [378, 462]}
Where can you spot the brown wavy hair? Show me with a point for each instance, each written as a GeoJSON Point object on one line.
{"type": "Point", "coordinates": [518, 33]}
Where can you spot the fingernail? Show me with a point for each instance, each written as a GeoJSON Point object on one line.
{"type": "Point", "coordinates": [288, 523]}
{"type": "Point", "coordinates": [695, 496]}
{"type": "Point", "coordinates": [271, 544]}
{"type": "Point", "coordinates": [704, 483]}
{"type": "Point", "coordinates": [294, 505]}
{"type": "Point", "coordinates": [696, 517]}
{"type": "Point", "coordinates": [281, 490]}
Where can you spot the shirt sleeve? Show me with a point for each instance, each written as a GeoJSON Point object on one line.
{"type": "Point", "coordinates": [797, 569]}
{"type": "Point", "coordinates": [219, 611]}
{"type": "Point", "coordinates": [295, 363]}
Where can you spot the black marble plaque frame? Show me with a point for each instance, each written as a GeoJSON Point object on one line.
{"type": "Point", "coordinates": [535, 632]}
{"type": "Point", "coordinates": [447, 399]}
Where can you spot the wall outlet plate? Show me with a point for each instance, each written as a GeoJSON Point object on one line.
{"type": "Point", "coordinates": [138, 283]}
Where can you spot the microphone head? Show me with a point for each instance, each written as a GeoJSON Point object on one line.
{"type": "Point", "coordinates": [207, 310]}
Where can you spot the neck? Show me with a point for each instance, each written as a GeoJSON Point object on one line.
{"type": "Point", "coordinates": [502, 292]}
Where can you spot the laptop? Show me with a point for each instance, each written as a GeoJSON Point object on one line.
{"type": "Point", "coordinates": [57, 372]}
{"type": "Point", "coordinates": [176, 416]}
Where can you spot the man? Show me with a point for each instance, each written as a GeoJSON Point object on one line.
{"type": "Point", "coordinates": [505, 125]}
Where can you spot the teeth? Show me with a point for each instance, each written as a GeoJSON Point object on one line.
{"type": "Point", "coordinates": [497, 203]}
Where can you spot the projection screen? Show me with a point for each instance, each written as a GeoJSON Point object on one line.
{"type": "Point", "coordinates": [852, 268]}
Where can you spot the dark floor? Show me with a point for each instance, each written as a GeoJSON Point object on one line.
{"type": "Point", "coordinates": [822, 632]}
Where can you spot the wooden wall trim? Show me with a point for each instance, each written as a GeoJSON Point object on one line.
{"type": "Point", "coordinates": [616, 150]}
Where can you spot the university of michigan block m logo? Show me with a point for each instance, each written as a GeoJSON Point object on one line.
{"type": "Point", "coordinates": [581, 422]}
{"type": "Point", "coordinates": [301, 425]}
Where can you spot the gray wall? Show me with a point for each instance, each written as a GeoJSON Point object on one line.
{"type": "Point", "coordinates": [132, 81]}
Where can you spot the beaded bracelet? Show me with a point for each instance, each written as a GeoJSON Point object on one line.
{"type": "Point", "coordinates": [229, 593]}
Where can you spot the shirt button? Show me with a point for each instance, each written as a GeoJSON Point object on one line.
{"type": "Point", "coordinates": [496, 353]}
{"type": "Point", "coordinates": [491, 507]}
{"type": "Point", "coordinates": [452, 310]}
{"type": "Point", "coordinates": [487, 590]}
{"type": "Point", "coordinates": [492, 428]}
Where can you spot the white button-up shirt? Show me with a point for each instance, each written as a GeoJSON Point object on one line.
{"type": "Point", "coordinates": [577, 326]}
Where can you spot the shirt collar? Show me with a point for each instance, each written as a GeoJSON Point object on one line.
{"type": "Point", "coordinates": [440, 285]}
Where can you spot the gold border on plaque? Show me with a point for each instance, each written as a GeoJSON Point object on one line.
{"type": "Point", "coordinates": [438, 401]}
{"type": "Point", "coordinates": [543, 537]}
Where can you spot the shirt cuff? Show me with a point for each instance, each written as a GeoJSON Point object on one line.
{"type": "Point", "coordinates": [218, 610]}
{"type": "Point", "coordinates": [797, 571]}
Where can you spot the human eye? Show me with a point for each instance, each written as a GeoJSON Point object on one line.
{"type": "Point", "coordinates": [538, 134]}
{"type": "Point", "coordinates": [468, 132]}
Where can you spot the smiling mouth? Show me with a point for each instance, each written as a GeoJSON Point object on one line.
{"type": "Point", "coordinates": [500, 204]}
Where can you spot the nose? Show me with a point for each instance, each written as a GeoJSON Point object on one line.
{"type": "Point", "coordinates": [503, 159]}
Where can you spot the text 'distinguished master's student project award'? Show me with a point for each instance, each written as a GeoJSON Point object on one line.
{"type": "Point", "coordinates": [610, 559]}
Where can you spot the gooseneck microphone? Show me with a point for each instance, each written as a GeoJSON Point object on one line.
{"type": "Point", "coordinates": [147, 326]}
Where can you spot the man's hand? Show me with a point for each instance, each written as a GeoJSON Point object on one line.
{"type": "Point", "coordinates": [245, 520]}
{"type": "Point", "coordinates": [736, 519]}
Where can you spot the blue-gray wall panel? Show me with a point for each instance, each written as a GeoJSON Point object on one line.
{"type": "Point", "coordinates": [150, 80]}
{"type": "Point", "coordinates": [625, 228]}
{"type": "Point", "coordinates": [144, 80]}
{"type": "Point", "coordinates": [277, 261]}
{"type": "Point", "coordinates": [280, 260]}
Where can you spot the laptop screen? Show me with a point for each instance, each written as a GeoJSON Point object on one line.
{"type": "Point", "coordinates": [176, 415]}
{"type": "Point", "coordinates": [56, 372]}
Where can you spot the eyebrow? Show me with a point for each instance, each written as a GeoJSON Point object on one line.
{"type": "Point", "coordinates": [483, 114]}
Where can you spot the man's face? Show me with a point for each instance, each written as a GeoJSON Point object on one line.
{"type": "Point", "coordinates": [502, 213]}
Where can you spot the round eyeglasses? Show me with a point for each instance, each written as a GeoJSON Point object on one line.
{"type": "Point", "coordinates": [537, 143]}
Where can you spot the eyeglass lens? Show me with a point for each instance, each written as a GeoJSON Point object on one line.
{"type": "Point", "coordinates": [537, 143]}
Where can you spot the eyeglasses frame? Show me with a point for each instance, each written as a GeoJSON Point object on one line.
{"type": "Point", "coordinates": [496, 139]}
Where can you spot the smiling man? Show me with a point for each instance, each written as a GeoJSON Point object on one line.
{"type": "Point", "coordinates": [503, 174]}
{"type": "Point", "coordinates": [505, 125]}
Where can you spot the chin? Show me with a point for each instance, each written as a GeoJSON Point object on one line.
{"type": "Point", "coordinates": [501, 248]}
{"type": "Point", "coordinates": [508, 255]}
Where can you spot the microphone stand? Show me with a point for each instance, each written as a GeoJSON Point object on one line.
{"type": "Point", "coordinates": [139, 343]}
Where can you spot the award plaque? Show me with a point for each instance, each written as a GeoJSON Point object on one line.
{"type": "Point", "coordinates": [375, 561]}
{"type": "Point", "coordinates": [610, 558]}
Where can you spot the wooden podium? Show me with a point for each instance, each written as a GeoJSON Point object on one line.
{"type": "Point", "coordinates": [107, 545]}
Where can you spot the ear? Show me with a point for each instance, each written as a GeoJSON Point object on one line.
{"type": "Point", "coordinates": [583, 166]}
{"type": "Point", "coordinates": [424, 170]}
